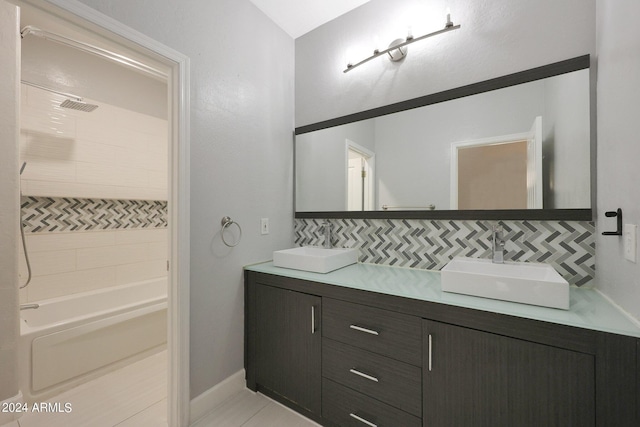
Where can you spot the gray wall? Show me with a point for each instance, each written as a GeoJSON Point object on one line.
{"type": "Point", "coordinates": [496, 38]}
{"type": "Point", "coordinates": [241, 156]}
{"type": "Point", "coordinates": [566, 148]}
{"type": "Point", "coordinates": [618, 50]}
{"type": "Point", "coordinates": [10, 202]}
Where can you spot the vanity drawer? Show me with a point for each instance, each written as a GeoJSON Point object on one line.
{"type": "Point", "coordinates": [384, 332]}
{"type": "Point", "coordinates": [348, 408]}
{"type": "Point", "coordinates": [390, 381]}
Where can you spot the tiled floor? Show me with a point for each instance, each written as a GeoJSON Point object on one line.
{"type": "Point", "coordinates": [248, 409]}
{"type": "Point", "coordinates": [135, 396]}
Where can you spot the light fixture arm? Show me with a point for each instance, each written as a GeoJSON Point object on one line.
{"type": "Point", "coordinates": [377, 53]}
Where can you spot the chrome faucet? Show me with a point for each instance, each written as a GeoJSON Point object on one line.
{"type": "Point", "coordinates": [497, 245]}
{"type": "Point", "coordinates": [326, 230]}
{"type": "Point", "coordinates": [29, 306]}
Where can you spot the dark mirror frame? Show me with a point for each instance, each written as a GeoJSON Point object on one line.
{"type": "Point", "coordinates": [550, 70]}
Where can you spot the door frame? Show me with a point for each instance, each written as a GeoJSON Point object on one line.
{"type": "Point", "coordinates": [178, 397]}
{"type": "Point", "coordinates": [495, 140]}
{"type": "Point", "coordinates": [371, 162]}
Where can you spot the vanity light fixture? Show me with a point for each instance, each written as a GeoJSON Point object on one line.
{"type": "Point", "coordinates": [397, 49]}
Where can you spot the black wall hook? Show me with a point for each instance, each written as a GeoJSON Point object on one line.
{"type": "Point", "coordinates": [618, 215]}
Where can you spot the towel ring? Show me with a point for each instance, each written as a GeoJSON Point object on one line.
{"type": "Point", "coordinates": [227, 222]}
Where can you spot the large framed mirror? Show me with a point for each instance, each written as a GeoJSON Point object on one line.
{"type": "Point", "coordinates": [514, 147]}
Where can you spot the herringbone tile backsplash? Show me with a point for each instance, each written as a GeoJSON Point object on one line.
{"type": "Point", "coordinates": [429, 244]}
{"type": "Point", "coordinates": [54, 214]}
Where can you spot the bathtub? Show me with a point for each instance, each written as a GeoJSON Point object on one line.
{"type": "Point", "coordinates": [70, 340]}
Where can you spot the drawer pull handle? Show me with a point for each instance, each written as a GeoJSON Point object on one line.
{"type": "Point", "coordinates": [313, 319]}
{"type": "Point", "coordinates": [361, 329]}
{"type": "Point", "coordinates": [430, 353]}
{"type": "Point", "coordinates": [362, 420]}
{"type": "Point", "coordinates": [363, 375]}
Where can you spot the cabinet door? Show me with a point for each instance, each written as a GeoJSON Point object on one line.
{"type": "Point", "coordinates": [474, 378]}
{"type": "Point", "coordinates": [288, 345]}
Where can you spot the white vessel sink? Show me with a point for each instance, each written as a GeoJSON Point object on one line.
{"type": "Point", "coordinates": [315, 259]}
{"type": "Point", "coordinates": [524, 282]}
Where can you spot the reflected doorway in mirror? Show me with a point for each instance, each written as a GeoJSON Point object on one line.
{"type": "Point", "coordinates": [360, 177]}
{"type": "Point", "coordinates": [502, 172]}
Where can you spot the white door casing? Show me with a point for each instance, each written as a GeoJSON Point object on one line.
{"type": "Point", "coordinates": [359, 161]}
{"type": "Point", "coordinates": [534, 161]}
{"type": "Point", "coordinates": [178, 399]}
{"type": "Point", "coordinates": [9, 205]}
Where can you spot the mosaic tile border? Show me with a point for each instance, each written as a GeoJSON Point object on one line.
{"type": "Point", "coordinates": [429, 244]}
{"type": "Point", "coordinates": [56, 214]}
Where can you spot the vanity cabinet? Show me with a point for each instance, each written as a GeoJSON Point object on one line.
{"type": "Point", "coordinates": [371, 366]}
{"type": "Point", "coordinates": [474, 378]}
{"type": "Point", "coordinates": [288, 345]}
{"type": "Point", "coordinates": [385, 332]}
{"type": "Point", "coordinates": [351, 357]}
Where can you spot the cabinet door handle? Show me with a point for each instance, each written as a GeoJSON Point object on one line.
{"type": "Point", "coordinates": [362, 420]}
{"type": "Point", "coordinates": [363, 375]}
{"type": "Point", "coordinates": [313, 319]}
{"type": "Point", "coordinates": [430, 352]}
{"type": "Point", "coordinates": [361, 329]}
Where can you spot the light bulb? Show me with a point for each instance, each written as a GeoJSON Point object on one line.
{"type": "Point", "coordinates": [348, 57]}
{"type": "Point", "coordinates": [409, 33]}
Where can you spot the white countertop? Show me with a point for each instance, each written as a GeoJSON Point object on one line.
{"type": "Point", "coordinates": [589, 309]}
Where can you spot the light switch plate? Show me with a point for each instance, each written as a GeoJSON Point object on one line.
{"type": "Point", "coordinates": [629, 233]}
{"type": "Point", "coordinates": [264, 226]}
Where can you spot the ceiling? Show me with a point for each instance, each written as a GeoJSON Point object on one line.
{"type": "Point", "coordinates": [298, 17]}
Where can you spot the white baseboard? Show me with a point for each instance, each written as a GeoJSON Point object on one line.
{"type": "Point", "coordinates": [210, 399]}
{"type": "Point", "coordinates": [7, 417]}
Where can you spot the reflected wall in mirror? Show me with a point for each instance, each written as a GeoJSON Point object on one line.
{"type": "Point", "coordinates": [417, 152]}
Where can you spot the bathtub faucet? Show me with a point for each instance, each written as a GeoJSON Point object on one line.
{"type": "Point", "coordinates": [28, 306]}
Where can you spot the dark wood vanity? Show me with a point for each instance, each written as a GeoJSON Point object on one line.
{"type": "Point", "coordinates": [352, 357]}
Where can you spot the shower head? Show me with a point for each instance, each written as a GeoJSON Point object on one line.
{"type": "Point", "coordinates": [22, 168]}
{"type": "Point", "coordinates": [74, 104]}
{"type": "Point", "coordinates": [78, 105]}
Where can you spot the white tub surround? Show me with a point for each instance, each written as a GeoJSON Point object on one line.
{"type": "Point", "coordinates": [72, 339]}
{"type": "Point", "coordinates": [104, 171]}
{"type": "Point", "coordinates": [110, 153]}
{"type": "Point", "coordinates": [70, 262]}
